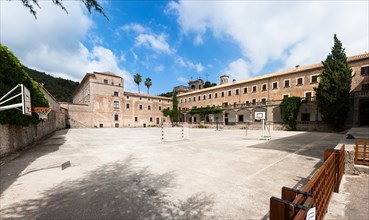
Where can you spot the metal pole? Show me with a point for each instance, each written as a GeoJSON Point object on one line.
{"type": "Point", "coordinates": [263, 128]}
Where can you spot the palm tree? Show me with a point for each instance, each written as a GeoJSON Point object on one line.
{"type": "Point", "coordinates": [138, 80]}
{"type": "Point", "coordinates": [148, 83]}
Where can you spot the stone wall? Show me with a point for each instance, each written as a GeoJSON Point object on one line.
{"type": "Point", "coordinates": [14, 137]}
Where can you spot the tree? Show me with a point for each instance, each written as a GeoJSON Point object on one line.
{"type": "Point", "coordinates": [148, 83]}
{"type": "Point", "coordinates": [203, 111]}
{"type": "Point", "coordinates": [138, 79]}
{"type": "Point", "coordinates": [290, 107]}
{"type": "Point", "coordinates": [209, 84]}
{"type": "Point", "coordinates": [12, 74]}
{"type": "Point", "coordinates": [90, 4]}
{"type": "Point", "coordinates": [174, 113]}
{"type": "Point", "coordinates": [333, 91]}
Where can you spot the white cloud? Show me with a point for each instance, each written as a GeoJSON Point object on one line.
{"type": "Point", "coordinates": [122, 57]}
{"type": "Point", "coordinates": [238, 69]}
{"type": "Point", "coordinates": [198, 67]}
{"type": "Point", "coordinates": [183, 80]}
{"type": "Point", "coordinates": [159, 68]}
{"type": "Point", "coordinates": [292, 32]}
{"type": "Point", "coordinates": [155, 42]}
{"type": "Point", "coordinates": [138, 28]}
{"type": "Point", "coordinates": [52, 43]}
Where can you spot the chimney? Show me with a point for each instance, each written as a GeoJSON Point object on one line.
{"type": "Point", "coordinates": [297, 67]}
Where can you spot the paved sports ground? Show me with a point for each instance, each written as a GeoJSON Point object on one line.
{"type": "Point", "coordinates": [131, 174]}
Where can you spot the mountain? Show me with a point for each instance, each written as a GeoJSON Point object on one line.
{"type": "Point", "coordinates": [60, 88]}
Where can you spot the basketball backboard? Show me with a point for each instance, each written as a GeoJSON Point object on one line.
{"type": "Point", "coordinates": [259, 115]}
{"type": "Point", "coordinates": [25, 103]}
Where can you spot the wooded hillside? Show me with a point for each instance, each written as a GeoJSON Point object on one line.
{"type": "Point", "coordinates": [60, 88]}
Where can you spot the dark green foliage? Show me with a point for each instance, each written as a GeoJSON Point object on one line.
{"type": "Point", "coordinates": [203, 111]}
{"type": "Point", "coordinates": [209, 84]}
{"type": "Point", "coordinates": [61, 89]}
{"type": "Point", "coordinates": [168, 94]}
{"type": "Point", "coordinates": [138, 79]}
{"type": "Point", "coordinates": [11, 74]}
{"type": "Point", "coordinates": [290, 107]}
{"type": "Point", "coordinates": [90, 4]}
{"type": "Point", "coordinates": [174, 113]}
{"type": "Point", "coordinates": [334, 88]}
{"type": "Point", "coordinates": [148, 84]}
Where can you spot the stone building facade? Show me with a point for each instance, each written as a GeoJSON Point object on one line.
{"type": "Point", "coordinates": [241, 99]}
{"type": "Point", "coordinates": [100, 101]}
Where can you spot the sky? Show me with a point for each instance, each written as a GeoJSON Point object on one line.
{"type": "Point", "coordinates": [172, 42]}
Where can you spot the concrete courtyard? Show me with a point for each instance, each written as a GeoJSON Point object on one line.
{"type": "Point", "coordinates": [130, 174]}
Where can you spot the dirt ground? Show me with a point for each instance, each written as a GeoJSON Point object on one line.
{"type": "Point", "coordinates": [130, 174]}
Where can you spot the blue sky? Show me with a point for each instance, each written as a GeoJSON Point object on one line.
{"type": "Point", "coordinates": [174, 41]}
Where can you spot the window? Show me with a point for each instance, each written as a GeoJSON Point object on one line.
{"type": "Point", "coordinates": [225, 104]}
{"type": "Point", "coordinates": [229, 93]}
{"type": "Point", "coordinates": [116, 117]}
{"type": "Point", "coordinates": [204, 97]}
{"type": "Point", "coordinates": [308, 96]}
{"type": "Point", "coordinates": [299, 81]}
{"type": "Point", "coordinates": [112, 83]}
{"type": "Point", "coordinates": [116, 94]}
{"type": "Point", "coordinates": [254, 89]}
{"type": "Point", "coordinates": [140, 107]}
{"type": "Point", "coordinates": [237, 91]}
{"type": "Point", "coordinates": [181, 100]}
{"type": "Point", "coordinates": [140, 98]}
{"type": "Point", "coordinates": [263, 100]}
{"type": "Point", "coordinates": [240, 118]}
{"type": "Point", "coordinates": [365, 87]}
{"type": "Point", "coordinates": [127, 106]}
{"type": "Point", "coordinates": [285, 96]}
{"type": "Point", "coordinates": [127, 96]}
{"type": "Point", "coordinates": [264, 87]}
{"type": "Point", "coordinates": [149, 107]}
{"type": "Point", "coordinates": [194, 98]}
{"type": "Point", "coordinates": [185, 100]}
{"type": "Point", "coordinates": [150, 119]}
{"type": "Point", "coordinates": [159, 100]}
{"type": "Point", "coordinates": [365, 70]}
{"type": "Point", "coordinates": [209, 96]}
{"type": "Point", "coordinates": [198, 98]}
{"type": "Point", "coordinates": [106, 81]}
{"type": "Point", "coordinates": [253, 101]}
{"type": "Point", "coordinates": [275, 85]}
{"type": "Point", "coordinates": [149, 99]}
{"type": "Point", "coordinates": [116, 104]}
{"type": "Point", "coordinates": [247, 102]}
{"type": "Point", "coordinates": [136, 119]}
{"type": "Point", "coordinates": [234, 104]}
{"type": "Point", "coordinates": [305, 116]}
{"type": "Point", "coordinates": [245, 90]}
{"type": "Point", "coordinates": [222, 94]}
{"type": "Point", "coordinates": [216, 95]}
{"type": "Point", "coordinates": [314, 79]}
{"type": "Point", "coordinates": [159, 108]}
{"type": "Point", "coordinates": [287, 83]}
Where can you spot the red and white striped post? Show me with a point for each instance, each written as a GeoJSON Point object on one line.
{"type": "Point", "coordinates": [162, 132]}
{"type": "Point", "coordinates": [182, 131]}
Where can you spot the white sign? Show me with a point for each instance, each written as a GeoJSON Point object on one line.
{"type": "Point", "coordinates": [311, 214]}
{"type": "Point", "coordinates": [259, 115]}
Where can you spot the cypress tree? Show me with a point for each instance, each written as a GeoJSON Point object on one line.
{"type": "Point", "coordinates": [334, 88]}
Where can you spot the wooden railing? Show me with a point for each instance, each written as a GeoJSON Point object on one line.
{"type": "Point", "coordinates": [362, 152]}
{"type": "Point", "coordinates": [316, 193]}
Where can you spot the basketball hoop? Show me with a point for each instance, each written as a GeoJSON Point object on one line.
{"type": "Point", "coordinates": [42, 112]}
